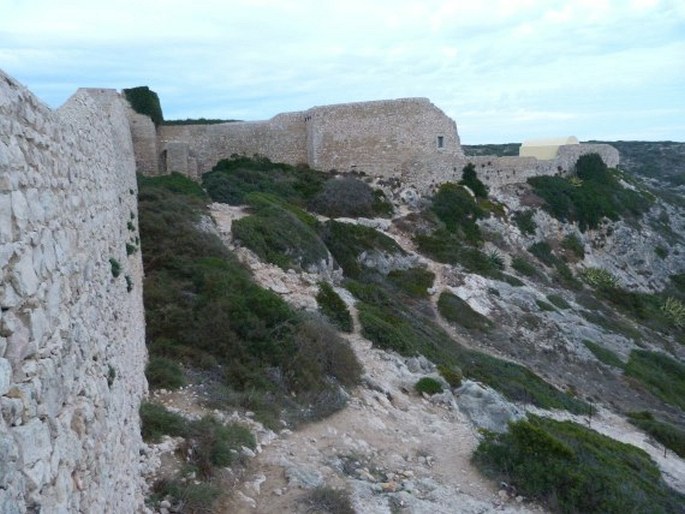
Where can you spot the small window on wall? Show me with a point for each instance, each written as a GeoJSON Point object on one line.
{"type": "Point", "coordinates": [441, 142]}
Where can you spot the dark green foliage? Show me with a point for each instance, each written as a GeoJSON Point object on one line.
{"type": "Point", "coordinates": [115, 267]}
{"type": "Point", "coordinates": [349, 197]}
{"type": "Point", "coordinates": [660, 374]}
{"type": "Point", "coordinates": [130, 249]}
{"type": "Point", "coordinates": [392, 325]}
{"type": "Point", "coordinates": [145, 101]}
{"type": "Point", "coordinates": [558, 301]}
{"type": "Point", "coordinates": [452, 375]}
{"type": "Point", "coordinates": [471, 180]}
{"type": "Point", "coordinates": [603, 354]}
{"type": "Point", "coordinates": [413, 281]}
{"type": "Point", "coordinates": [573, 244]}
{"type": "Point", "coordinates": [214, 444]}
{"type": "Point", "coordinates": [326, 500]}
{"type": "Point", "coordinates": [163, 373]}
{"type": "Point", "coordinates": [156, 421]}
{"type": "Point", "coordinates": [278, 236]}
{"type": "Point", "coordinates": [456, 310]}
{"type": "Point", "coordinates": [347, 241]}
{"type": "Point", "coordinates": [667, 434]}
{"type": "Point", "coordinates": [175, 183]}
{"type": "Point", "coordinates": [444, 246]}
{"type": "Point", "coordinates": [194, 498]}
{"type": "Point", "coordinates": [661, 252]}
{"type": "Point", "coordinates": [573, 469]}
{"type": "Point", "coordinates": [333, 307]}
{"type": "Point", "coordinates": [232, 179]}
{"type": "Point", "coordinates": [598, 195]}
{"type": "Point", "coordinates": [525, 222]}
{"type": "Point", "coordinates": [523, 266]}
{"type": "Point", "coordinates": [456, 208]}
{"type": "Point", "coordinates": [428, 385]}
{"type": "Point", "coordinates": [543, 251]}
{"type": "Point", "coordinates": [544, 306]}
{"type": "Point", "coordinates": [129, 283]}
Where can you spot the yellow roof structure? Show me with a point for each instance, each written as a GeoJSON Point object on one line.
{"type": "Point", "coordinates": [545, 149]}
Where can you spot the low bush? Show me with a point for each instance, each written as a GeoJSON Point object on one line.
{"type": "Point", "coordinates": [573, 244]}
{"type": "Point", "coordinates": [543, 251]}
{"type": "Point", "coordinates": [156, 421]}
{"type": "Point", "coordinates": [458, 311]}
{"type": "Point", "coordinates": [456, 208]}
{"type": "Point", "coordinates": [452, 375]}
{"type": "Point", "coordinates": [599, 278]}
{"type": "Point", "coordinates": [175, 183]}
{"type": "Point", "coordinates": [470, 180]}
{"type": "Point", "coordinates": [570, 468]}
{"type": "Point", "coordinates": [667, 434]}
{"type": "Point", "coordinates": [446, 247]}
{"type": "Point", "coordinates": [523, 266]}
{"type": "Point", "coordinates": [558, 301]}
{"type": "Point", "coordinates": [163, 373]}
{"type": "Point", "coordinates": [428, 385]}
{"type": "Point", "coordinates": [326, 500]}
{"type": "Point", "coordinates": [145, 101]}
{"type": "Point", "coordinates": [333, 307]}
{"type": "Point", "coordinates": [349, 197]}
{"type": "Point", "coordinates": [544, 306]}
{"type": "Point", "coordinates": [660, 374]}
{"type": "Point", "coordinates": [525, 222]}
{"type": "Point", "coordinates": [603, 354]}
{"type": "Point", "coordinates": [674, 310]}
{"type": "Point", "coordinates": [189, 496]}
{"type": "Point", "coordinates": [413, 281]}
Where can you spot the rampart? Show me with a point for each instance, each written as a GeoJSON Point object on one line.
{"type": "Point", "coordinates": [72, 350]}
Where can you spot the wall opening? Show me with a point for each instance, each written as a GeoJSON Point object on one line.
{"type": "Point", "coordinates": [163, 162]}
{"type": "Point", "coordinates": [441, 142]}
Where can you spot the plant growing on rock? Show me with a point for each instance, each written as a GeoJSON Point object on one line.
{"type": "Point", "coordinates": [599, 278]}
{"type": "Point", "coordinates": [428, 385]}
{"type": "Point", "coordinates": [674, 310]}
{"type": "Point", "coordinates": [333, 307]}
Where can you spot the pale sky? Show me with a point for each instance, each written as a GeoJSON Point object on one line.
{"type": "Point", "coordinates": [504, 70]}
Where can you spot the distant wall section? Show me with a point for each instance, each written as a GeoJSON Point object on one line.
{"type": "Point", "coordinates": [72, 350]}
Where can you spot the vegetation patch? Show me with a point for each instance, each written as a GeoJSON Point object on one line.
{"type": "Point", "coordinates": [558, 301]}
{"type": "Point", "coordinates": [470, 180]}
{"type": "Point", "coordinates": [190, 496]}
{"type": "Point", "coordinates": [594, 194]}
{"type": "Point", "coordinates": [544, 306]}
{"type": "Point", "coordinates": [525, 222]}
{"type": "Point", "coordinates": [327, 500]}
{"type": "Point", "coordinates": [458, 311]}
{"type": "Point", "coordinates": [156, 421]}
{"type": "Point", "coordinates": [667, 434]}
{"type": "Point", "coordinates": [145, 101]}
{"type": "Point", "coordinates": [428, 385]}
{"type": "Point", "coordinates": [232, 179]}
{"type": "Point", "coordinates": [570, 468]}
{"type": "Point", "coordinates": [574, 245]}
{"type": "Point", "coordinates": [163, 373]}
{"type": "Point", "coordinates": [452, 375]}
{"type": "Point", "coordinates": [660, 374]}
{"type": "Point", "coordinates": [333, 307]}
{"type": "Point", "coordinates": [350, 197]}
{"type": "Point", "coordinates": [455, 207]}
{"type": "Point", "coordinates": [444, 246]}
{"type": "Point", "coordinates": [523, 266]}
{"type": "Point", "coordinates": [603, 354]}
{"type": "Point", "coordinates": [413, 281]}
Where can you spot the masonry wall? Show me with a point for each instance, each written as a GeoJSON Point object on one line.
{"type": "Point", "coordinates": [72, 349]}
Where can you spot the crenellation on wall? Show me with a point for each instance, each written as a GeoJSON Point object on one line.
{"type": "Point", "coordinates": [72, 349]}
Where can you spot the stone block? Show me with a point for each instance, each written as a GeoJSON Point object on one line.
{"type": "Point", "coordinates": [23, 277]}
{"type": "Point", "coordinates": [33, 442]}
{"type": "Point", "coordinates": [6, 227]}
{"type": "Point", "coordinates": [5, 376]}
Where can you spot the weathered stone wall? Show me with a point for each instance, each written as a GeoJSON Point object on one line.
{"type": "Point", "coordinates": [144, 135]}
{"type": "Point", "coordinates": [72, 349]}
{"type": "Point", "coordinates": [282, 139]}
{"type": "Point", "coordinates": [500, 171]}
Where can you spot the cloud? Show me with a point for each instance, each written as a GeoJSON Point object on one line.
{"type": "Point", "coordinates": [251, 59]}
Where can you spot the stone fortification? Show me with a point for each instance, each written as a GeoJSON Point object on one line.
{"type": "Point", "coordinates": [407, 138]}
{"type": "Point", "coordinates": [500, 171]}
{"type": "Point", "coordinates": [72, 350]}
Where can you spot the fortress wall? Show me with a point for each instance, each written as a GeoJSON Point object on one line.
{"type": "Point", "coordinates": [144, 136]}
{"type": "Point", "coordinates": [387, 138]}
{"type": "Point", "coordinates": [568, 154]}
{"type": "Point", "coordinates": [72, 350]}
{"type": "Point", "coordinates": [282, 138]}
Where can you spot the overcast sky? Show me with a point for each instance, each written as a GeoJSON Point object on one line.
{"type": "Point", "coordinates": [505, 70]}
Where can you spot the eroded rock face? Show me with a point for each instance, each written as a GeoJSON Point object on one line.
{"type": "Point", "coordinates": [72, 348]}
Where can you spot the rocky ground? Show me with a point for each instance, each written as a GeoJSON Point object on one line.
{"type": "Point", "coordinates": [396, 451]}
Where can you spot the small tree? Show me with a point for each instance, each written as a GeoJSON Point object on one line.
{"type": "Point", "coordinates": [470, 180]}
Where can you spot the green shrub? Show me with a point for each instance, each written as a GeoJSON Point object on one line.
{"type": "Point", "coordinates": [573, 244]}
{"type": "Point", "coordinates": [661, 252]}
{"type": "Point", "coordinates": [349, 197]}
{"type": "Point", "coordinates": [428, 385]}
{"type": "Point", "coordinates": [570, 468]}
{"type": "Point", "coordinates": [544, 306]}
{"type": "Point", "coordinates": [456, 208]}
{"type": "Point", "coordinates": [599, 278]}
{"type": "Point", "coordinates": [558, 301]}
{"type": "Point", "coordinates": [458, 311]}
{"type": "Point", "coordinates": [115, 267]}
{"type": "Point", "coordinates": [163, 373]}
{"type": "Point", "coordinates": [674, 310]}
{"type": "Point", "coordinates": [452, 375]}
{"type": "Point", "coordinates": [667, 434]}
{"type": "Point", "coordinates": [413, 281]}
{"type": "Point", "coordinates": [326, 500]}
{"type": "Point", "coordinates": [216, 445]}
{"type": "Point", "coordinates": [523, 266]}
{"type": "Point", "coordinates": [446, 247]}
{"type": "Point", "coordinates": [192, 497]}
{"type": "Point", "coordinates": [333, 307]}
{"type": "Point", "coordinates": [232, 179]}
{"type": "Point", "coordinates": [145, 101]}
{"type": "Point", "coordinates": [347, 241]}
{"type": "Point", "coordinates": [525, 222]}
{"type": "Point", "coordinates": [470, 180]}
{"type": "Point", "coordinates": [156, 421]}
{"type": "Point", "coordinates": [660, 374]}
{"type": "Point", "coordinates": [604, 355]}
{"type": "Point", "coordinates": [543, 251]}
{"type": "Point", "coordinates": [174, 183]}
{"type": "Point", "coordinates": [279, 237]}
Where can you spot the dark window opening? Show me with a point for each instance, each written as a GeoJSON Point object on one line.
{"type": "Point", "coordinates": [441, 142]}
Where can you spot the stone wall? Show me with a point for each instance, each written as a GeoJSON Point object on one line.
{"type": "Point", "coordinates": [72, 350]}
{"type": "Point", "coordinates": [500, 171]}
